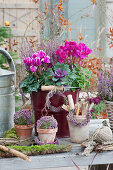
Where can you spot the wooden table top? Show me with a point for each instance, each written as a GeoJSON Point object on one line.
{"type": "Point", "coordinates": [57, 160]}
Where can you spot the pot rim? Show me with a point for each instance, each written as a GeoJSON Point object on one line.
{"type": "Point", "coordinates": [23, 126]}
{"type": "Point", "coordinates": [47, 130]}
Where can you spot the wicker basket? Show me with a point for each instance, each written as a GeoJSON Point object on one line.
{"type": "Point", "coordinates": [109, 110]}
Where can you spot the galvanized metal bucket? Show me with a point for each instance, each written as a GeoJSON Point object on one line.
{"type": "Point", "coordinates": [7, 98]}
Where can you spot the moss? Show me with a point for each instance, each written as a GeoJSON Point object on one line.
{"type": "Point", "coordinates": [11, 133]}
{"type": "Point", "coordinates": [42, 149]}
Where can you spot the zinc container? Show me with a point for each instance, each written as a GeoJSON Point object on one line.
{"type": "Point", "coordinates": [7, 98]}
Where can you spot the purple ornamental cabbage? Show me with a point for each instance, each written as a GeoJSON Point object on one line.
{"type": "Point", "coordinates": [60, 73]}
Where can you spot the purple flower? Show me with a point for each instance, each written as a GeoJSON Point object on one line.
{"type": "Point", "coordinates": [92, 110]}
{"type": "Point", "coordinates": [105, 84]}
{"type": "Point", "coordinates": [97, 100]}
{"type": "Point", "coordinates": [47, 122]}
{"type": "Point", "coordinates": [94, 100]}
{"type": "Point", "coordinates": [23, 117]}
{"type": "Point", "coordinates": [91, 100]}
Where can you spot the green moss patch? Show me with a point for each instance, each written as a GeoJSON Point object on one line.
{"type": "Point", "coordinates": [37, 150]}
{"type": "Point", "coordinates": [11, 134]}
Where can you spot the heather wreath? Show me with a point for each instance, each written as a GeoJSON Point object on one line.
{"type": "Point", "coordinates": [23, 117]}
{"type": "Point", "coordinates": [47, 122]}
{"type": "Point", "coordinates": [56, 66]}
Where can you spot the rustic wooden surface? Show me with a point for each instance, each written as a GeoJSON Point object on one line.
{"type": "Point", "coordinates": [58, 160]}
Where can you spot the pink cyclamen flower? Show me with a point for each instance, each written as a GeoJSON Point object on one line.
{"type": "Point", "coordinates": [71, 48]}
{"type": "Point", "coordinates": [33, 68]}
{"type": "Point", "coordinates": [41, 54]}
{"type": "Point", "coordinates": [82, 51]}
{"type": "Point", "coordinates": [46, 59]}
{"type": "Point", "coordinates": [62, 54]}
{"type": "Point", "coordinates": [37, 61]}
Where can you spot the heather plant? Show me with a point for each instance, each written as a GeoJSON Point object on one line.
{"type": "Point", "coordinates": [47, 122]}
{"type": "Point", "coordinates": [23, 117]}
{"type": "Point", "coordinates": [105, 84]}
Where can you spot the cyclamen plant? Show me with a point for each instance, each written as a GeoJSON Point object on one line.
{"type": "Point", "coordinates": [47, 122]}
{"type": "Point", "coordinates": [23, 117]}
{"type": "Point", "coordinates": [71, 50]}
{"type": "Point", "coordinates": [37, 59]}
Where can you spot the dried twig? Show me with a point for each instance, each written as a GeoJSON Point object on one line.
{"type": "Point", "coordinates": [14, 152]}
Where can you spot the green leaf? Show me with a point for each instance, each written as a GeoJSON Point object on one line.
{"type": "Point", "coordinates": [54, 79]}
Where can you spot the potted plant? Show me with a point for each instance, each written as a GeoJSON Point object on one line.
{"type": "Point", "coordinates": [23, 120]}
{"type": "Point", "coordinates": [78, 126]}
{"type": "Point", "coordinates": [58, 69]}
{"type": "Point", "coordinates": [47, 127]}
{"type": "Point", "coordinates": [105, 90]}
{"type": "Point", "coordinates": [98, 113]}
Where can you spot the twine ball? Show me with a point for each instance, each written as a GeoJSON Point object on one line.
{"type": "Point", "coordinates": [103, 134]}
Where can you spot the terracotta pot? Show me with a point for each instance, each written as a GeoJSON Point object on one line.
{"type": "Point", "coordinates": [78, 134]}
{"type": "Point", "coordinates": [38, 101]}
{"type": "Point", "coordinates": [24, 131]}
{"type": "Point", "coordinates": [47, 135]}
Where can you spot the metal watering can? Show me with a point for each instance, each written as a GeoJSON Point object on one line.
{"type": "Point", "coordinates": [7, 98]}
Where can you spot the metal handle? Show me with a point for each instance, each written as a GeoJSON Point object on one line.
{"type": "Point", "coordinates": [8, 58]}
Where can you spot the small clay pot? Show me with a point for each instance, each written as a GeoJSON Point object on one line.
{"type": "Point", "coordinates": [24, 131]}
{"type": "Point", "coordinates": [47, 135]}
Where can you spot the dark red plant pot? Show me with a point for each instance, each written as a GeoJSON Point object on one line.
{"type": "Point", "coordinates": [38, 103]}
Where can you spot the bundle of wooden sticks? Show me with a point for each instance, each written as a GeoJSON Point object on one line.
{"type": "Point", "coordinates": [79, 109]}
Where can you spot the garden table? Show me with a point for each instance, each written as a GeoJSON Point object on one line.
{"type": "Point", "coordinates": [59, 161]}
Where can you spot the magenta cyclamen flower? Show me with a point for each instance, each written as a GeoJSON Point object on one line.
{"type": "Point", "coordinates": [37, 59]}
{"type": "Point", "coordinates": [82, 51]}
{"type": "Point", "coordinates": [33, 68]}
{"type": "Point", "coordinates": [73, 49]}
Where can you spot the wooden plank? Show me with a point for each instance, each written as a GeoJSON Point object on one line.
{"type": "Point", "coordinates": [18, 6]}
{"type": "Point", "coordinates": [58, 160]}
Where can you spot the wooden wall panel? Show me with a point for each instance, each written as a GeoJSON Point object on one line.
{"type": "Point", "coordinates": [21, 15]}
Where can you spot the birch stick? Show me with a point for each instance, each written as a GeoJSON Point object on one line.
{"type": "Point", "coordinates": [71, 102]}
{"type": "Point", "coordinates": [78, 109]}
{"type": "Point", "coordinates": [14, 152]}
{"type": "Point", "coordinates": [65, 107]}
{"type": "Point", "coordinates": [91, 106]}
